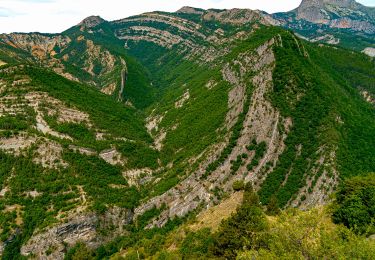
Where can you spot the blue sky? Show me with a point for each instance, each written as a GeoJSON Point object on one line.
{"type": "Point", "coordinates": [58, 15]}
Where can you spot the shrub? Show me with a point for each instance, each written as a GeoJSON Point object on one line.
{"type": "Point", "coordinates": [196, 244]}
{"type": "Point", "coordinates": [238, 185]}
{"type": "Point", "coordinates": [355, 204]}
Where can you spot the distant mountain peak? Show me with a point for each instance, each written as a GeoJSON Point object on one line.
{"type": "Point", "coordinates": [91, 22]}
{"type": "Point", "coordinates": [190, 10]}
{"type": "Point", "coordinates": [329, 20]}
{"type": "Point", "coordinates": [344, 14]}
{"type": "Point", "coordinates": [231, 16]}
{"type": "Point", "coordinates": [322, 3]}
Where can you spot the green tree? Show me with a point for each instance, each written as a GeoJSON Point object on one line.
{"type": "Point", "coordinates": [79, 252]}
{"type": "Point", "coordinates": [355, 204]}
{"type": "Point", "coordinates": [245, 229]}
{"type": "Point", "coordinates": [273, 206]}
{"type": "Point", "coordinates": [250, 197]}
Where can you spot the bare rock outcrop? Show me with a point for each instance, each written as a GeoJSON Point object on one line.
{"type": "Point", "coordinates": [369, 51]}
{"type": "Point", "coordinates": [321, 183]}
{"type": "Point", "coordinates": [237, 16]}
{"type": "Point", "coordinates": [112, 156]}
{"type": "Point", "coordinates": [16, 144]}
{"type": "Point", "coordinates": [95, 59]}
{"type": "Point", "coordinates": [79, 229]}
{"type": "Point", "coordinates": [183, 99]}
{"type": "Point", "coordinates": [368, 97]}
{"type": "Point", "coordinates": [190, 10]}
{"type": "Point", "coordinates": [187, 34]}
{"type": "Point", "coordinates": [53, 242]}
{"type": "Point", "coordinates": [91, 22]}
{"type": "Point", "coordinates": [49, 155]}
{"type": "Point", "coordinates": [344, 14]}
{"type": "Point", "coordinates": [39, 45]}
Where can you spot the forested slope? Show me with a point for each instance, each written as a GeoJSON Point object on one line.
{"type": "Point", "coordinates": [115, 132]}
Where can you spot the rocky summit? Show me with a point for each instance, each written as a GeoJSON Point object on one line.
{"type": "Point", "coordinates": [91, 22]}
{"type": "Point", "coordinates": [196, 134]}
{"type": "Point", "coordinates": [338, 14]}
{"type": "Point", "coordinates": [333, 22]}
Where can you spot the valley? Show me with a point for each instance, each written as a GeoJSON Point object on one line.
{"type": "Point", "coordinates": [119, 137]}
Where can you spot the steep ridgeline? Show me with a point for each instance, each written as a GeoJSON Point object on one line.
{"type": "Point", "coordinates": [85, 55]}
{"type": "Point", "coordinates": [230, 98]}
{"type": "Point", "coordinates": [343, 22]}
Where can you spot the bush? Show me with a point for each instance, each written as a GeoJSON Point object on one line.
{"type": "Point", "coordinates": [79, 252]}
{"type": "Point", "coordinates": [196, 244]}
{"type": "Point", "coordinates": [296, 234]}
{"type": "Point", "coordinates": [355, 204]}
{"type": "Point", "coordinates": [238, 185]}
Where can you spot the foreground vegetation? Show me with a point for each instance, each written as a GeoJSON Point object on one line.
{"type": "Point", "coordinates": [255, 232]}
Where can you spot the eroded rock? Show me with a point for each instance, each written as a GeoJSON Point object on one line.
{"type": "Point", "coordinates": [369, 51]}
{"type": "Point", "coordinates": [112, 156]}
{"type": "Point", "coordinates": [49, 155]}
{"type": "Point", "coordinates": [183, 99]}
{"type": "Point", "coordinates": [82, 228]}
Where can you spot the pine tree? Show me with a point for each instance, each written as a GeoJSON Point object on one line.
{"type": "Point", "coordinates": [245, 229]}
{"type": "Point", "coordinates": [250, 197]}
{"type": "Point", "coordinates": [273, 206]}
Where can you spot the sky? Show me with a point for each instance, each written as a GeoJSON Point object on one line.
{"type": "Point", "coordinates": [54, 16]}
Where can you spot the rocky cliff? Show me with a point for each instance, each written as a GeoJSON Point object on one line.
{"type": "Point", "coordinates": [342, 14]}
{"type": "Point", "coordinates": [320, 20]}
{"type": "Point", "coordinates": [200, 100]}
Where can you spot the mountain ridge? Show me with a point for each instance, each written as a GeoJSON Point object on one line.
{"type": "Point", "coordinates": [333, 22]}
{"type": "Point", "coordinates": [208, 102]}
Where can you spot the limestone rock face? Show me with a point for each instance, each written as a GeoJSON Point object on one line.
{"type": "Point", "coordinates": [38, 45]}
{"type": "Point", "coordinates": [369, 51]}
{"type": "Point", "coordinates": [321, 3]}
{"type": "Point", "coordinates": [344, 14]}
{"type": "Point", "coordinates": [82, 228]}
{"type": "Point", "coordinates": [331, 22]}
{"type": "Point", "coordinates": [57, 52]}
{"type": "Point", "coordinates": [190, 10]}
{"type": "Point", "coordinates": [91, 22]}
{"type": "Point", "coordinates": [235, 16]}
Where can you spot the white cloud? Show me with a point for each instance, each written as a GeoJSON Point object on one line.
{"type": "Point", "coordinates": [58, 15]}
